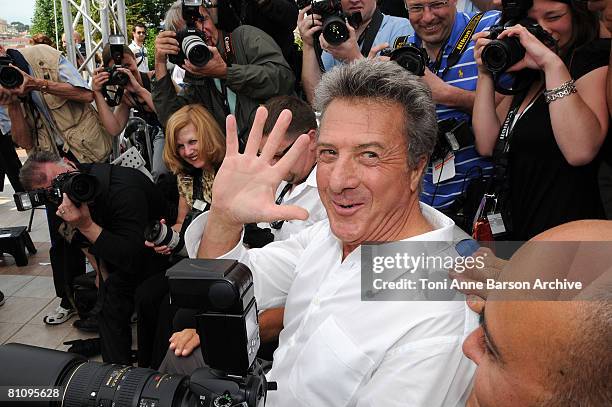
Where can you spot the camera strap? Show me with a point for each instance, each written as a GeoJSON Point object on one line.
{"type": "Point", "coordinates": [366, 39]}
{"type": "Point", "coordinates": [460, 46]}
{"type": "Point", "coordinates": [228, 48]}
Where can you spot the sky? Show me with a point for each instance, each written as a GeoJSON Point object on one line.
{"type": "Point", "coordinates": [18, 10]}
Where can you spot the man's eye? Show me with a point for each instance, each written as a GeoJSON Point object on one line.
{"type": "Point", "coordinates": [370, 154]}
{"type": "Point", "coordinates": [327, 152]}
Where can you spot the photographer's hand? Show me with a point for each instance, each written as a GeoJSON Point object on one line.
{"type": "Point", "coordinates": [100, 77]}
{"type": "Point", "coordinates": [480, 41]}
{"type": "Point", "coordinates": [346, 51]}
{"type": "Point", "coordinates": [79, 217]}
{"type": "Point", "coordinates": [165, 44]}
{"type": "Point", "coordinates": [184, 342]}
{"type": "Point", "coordinates": [245, 186]}
{"type": "Point", "coordinates": [308, 25]}
{"type": "Point", "coordinates": [165, 250]}
{"type": "Point", "coordinates": [215, 68]}
{"type": "Point", "coordinates": [537, 55]}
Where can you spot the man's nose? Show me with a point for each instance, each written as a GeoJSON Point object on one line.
{"type": "Point", "coordinates": [344, 175]}
{"type": "Point", "coordinates": [428, 15]}
{"type": "Point", "coordinates": [471, 346]}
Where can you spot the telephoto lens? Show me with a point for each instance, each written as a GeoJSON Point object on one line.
{"type": "Point", "coordinates": [161, 234]}
{"type": "Point", "coordinates": [195, 50]}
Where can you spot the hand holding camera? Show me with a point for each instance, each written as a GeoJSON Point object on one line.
{"type": "Point", "coordinates": [77, 217]}
{"type": "Point", "coordinates": [308, 25]}
{"type": "Point", "coordinates": [165, 44]}
{"type": "Point", "coordinates": [347, 50]}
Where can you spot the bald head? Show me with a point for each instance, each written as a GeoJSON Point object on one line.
{"type": "Point", "coordinates": [550, 353]}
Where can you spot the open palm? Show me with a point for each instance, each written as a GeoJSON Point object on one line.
{"type": "Point", "coordinates": [244, 187]}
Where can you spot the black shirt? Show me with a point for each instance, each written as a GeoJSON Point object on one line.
{"type": "Point", "coordinates": [545, 190]}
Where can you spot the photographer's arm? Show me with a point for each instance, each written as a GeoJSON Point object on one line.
{"type": "Point", "coordinates": [486, 120]}
{"type": "Point", "coordinates": [22, 135]}
{"type": "Point", "coordinates": [308, 25]}
{"type": "Point", "coordinates": [113, 122]}
{"type": "Point", "coordinates": [266, 73]}
{"type": "Point", "coordinates": [62, 89]}
{"type": "Point", "coordinates": [449, 95]}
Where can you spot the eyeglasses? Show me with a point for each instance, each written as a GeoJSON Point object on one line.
{"type": "Point", "coordinates": [418, 9]}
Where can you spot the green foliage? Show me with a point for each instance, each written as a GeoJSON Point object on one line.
{"type": "Point", "coordinates": [43, 20]}
{"type": "Point", "coordinates": [150, 46]}
{"type": "Point", "coordinates": [149, 12]}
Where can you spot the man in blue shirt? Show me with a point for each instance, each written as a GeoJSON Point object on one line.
{"type": "Point", "coordinates": [354, 47]}
{"type": "Point", "coordinates": [452, 76]}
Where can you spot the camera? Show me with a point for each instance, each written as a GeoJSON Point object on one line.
{"type": "Point", "coordinates": [334, 19]}
{"type": "Point", "coordinates": [410, 57]}
{"type": "Point", "coordinates": [500, 54]}
{"type": "Point", "coordinates": [161, 234]}
{"type": "Point", "coordinates": [10, 77]}
{"type": "Point", "coordinates": [117, 77]}
{"type": "Point", "coordinates": [192, 42]}
{"type": "Point", "coordinates": [80, 188]}
{"type": "Point", "coordinates": [222, 292]}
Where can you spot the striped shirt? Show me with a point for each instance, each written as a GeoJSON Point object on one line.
{"type": "Point", "coordinates": [468, 163]}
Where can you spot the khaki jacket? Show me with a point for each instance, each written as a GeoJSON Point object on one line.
{"type": "Point", "coordinates": [77, 123]}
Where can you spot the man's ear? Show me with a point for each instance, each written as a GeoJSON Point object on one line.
{"type": "Point", "coordinates": [312, 139]}
{"type": "Point", "coordinates": [416, 174]}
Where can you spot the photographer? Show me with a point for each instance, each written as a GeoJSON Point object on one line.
{"type": "Point", "coordinates": [137, 46]}
{"type": "Point", "coordinates": [136, 98]}
{"type": "Point", "coordinates": [110, 227]}
{"type": "Point", "coordinates": [49, 105]}
{"type": "Point", "coordinates": [373, 32]}
{"type": "Point", "coordinates": [552, 132]}
{"type": "Point", "coordinates": [445, 34]}
{"type": "Point", "coordinates": [245, 69]}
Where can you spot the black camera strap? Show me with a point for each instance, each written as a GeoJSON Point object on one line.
{"type": "Point", "coordinates": [460, 46]}
{"type": "Point", "coordinates": [366, 39]}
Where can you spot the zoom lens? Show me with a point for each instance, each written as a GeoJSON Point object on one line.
{"type": "Point", "coordinates": [81, 187]}
{"type": "Point", "coordinates": [10, 77]}
{"type": "Point", "coordinates": [499, 55]}
{"type": "Point", "coordinates": [162, 235]}
{"type": "Point", "coordinates": [335, 31]}
{"type": "Point", "coordinates": [196, 50]}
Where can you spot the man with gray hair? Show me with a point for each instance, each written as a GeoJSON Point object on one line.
{"type": "Point", "coordinates": [378, 127]}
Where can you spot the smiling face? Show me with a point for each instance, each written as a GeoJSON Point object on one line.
{"type": "Point", "coordinates": [363, 176]}
{"type": "Point", "coordinates": [433, 25]}
{"type": "Point", "coordinates": [189, 149]}
{"type": "Point", "coordinates": [554, 17]}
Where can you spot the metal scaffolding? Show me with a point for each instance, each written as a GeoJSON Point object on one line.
{"type": "Point", "coordinates": [108, 18]}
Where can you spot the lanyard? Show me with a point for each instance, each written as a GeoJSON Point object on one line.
{"type": "Point", "coordinates": [459, 48]}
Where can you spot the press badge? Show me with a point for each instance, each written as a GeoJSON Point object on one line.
{"type": "Point", "coordinates": [443, 170]}
{"type": "Point", "coordinates": [497, 223]}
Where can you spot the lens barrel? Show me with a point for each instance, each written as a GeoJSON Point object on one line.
{"type": "Point", "coordinates": [195, 50]}
{"type": "Point", "coordinates": [10, 77]}
{"type": "Point", "coordinates": [500, 54]}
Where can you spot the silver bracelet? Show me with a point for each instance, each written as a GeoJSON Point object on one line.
{"type": "Point", "coordinates": [566, 89]}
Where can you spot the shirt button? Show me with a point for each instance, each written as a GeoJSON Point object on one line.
{"type": "Point", "coordinates": [316, 301]}
{"type": "Point", "coordinates": [291, 341]}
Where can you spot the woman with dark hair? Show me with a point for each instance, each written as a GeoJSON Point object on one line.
{"type": "Point", "coordinates": [552, 132]}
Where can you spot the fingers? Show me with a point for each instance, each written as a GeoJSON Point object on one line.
{"type": "Point", "coordinates": [184, 342]}
{"type": "Point", "coordinates": [231, 138]}
{"type": "Point", "coordinates": [276, 135]}
{"type": "Point", "coordinates": [475, 303]}
{"type": "Point", "coordinates": [255, 134]}
{"type": "Point", "coordinates": [376, 49]}
{"type": "Point", "coordinates": [285, 164]}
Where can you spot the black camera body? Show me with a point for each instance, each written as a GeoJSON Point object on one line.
{"type": "Point", "coordinates": [80, 188]}
{"type": "Point", "coordinates": [222, 292]}
{"type": "Point", "coordinates": [334, 19]}
{"type": "Point", "coordinates": [10, 77]}
{"type": "Point", "coordinates": [192, 42]}
{"type": "Point", "coordinates": [500, 54]}
{"type": "Point", "coordinates": [410, 57]}
{"type": "Point", "coordinates": [117, 78]}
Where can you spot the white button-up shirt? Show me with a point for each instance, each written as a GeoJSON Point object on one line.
{"type": "Point", "coordinates": [337, 350]}
{"type": "Point", "coordinates": [305, 195]}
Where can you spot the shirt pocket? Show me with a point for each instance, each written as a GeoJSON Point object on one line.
{"type": "Point", "coordinates": [329, 369]}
